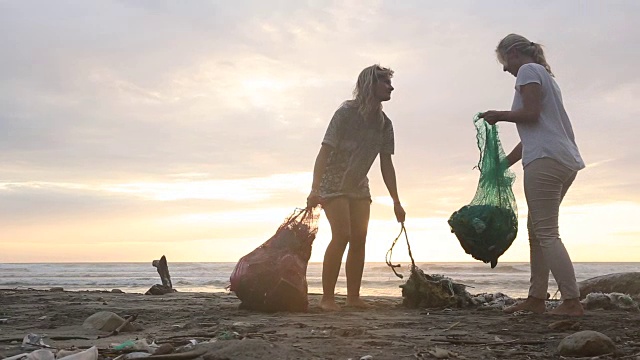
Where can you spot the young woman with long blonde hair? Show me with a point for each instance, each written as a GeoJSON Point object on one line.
{"type": "Point", "coordinates": [357, 133]}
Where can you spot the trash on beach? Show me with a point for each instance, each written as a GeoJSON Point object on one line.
{"type": "Point", "coordinates": [492, 300]}
{"type": "Point", "coordinates": [89, 354]}
{"type": "Point", "coordinates": [140, 344]}
{"type": "Point", "coordinates": [273, 276]}
{"type": "Point", "coordinates": [488, 225]}
{"type": "Point", "coordinates": [228, 335]}
{"type": "Point", "coordinates": [610, 301]}
{"type": "Point", "coordinates": [42, 354]}
{"type": "Point", "coordinates": [132, 355]}
{"type": "Point", "coordinates": [47, 354]}
{"type": "Point", "coordinates": [440, 353]}
{"type": "Point", "coordinates": [433, 291]}
{"type": "Point", "coordinates": [108, 321]}
{"type": "Point", "coordinates": [33, 341]}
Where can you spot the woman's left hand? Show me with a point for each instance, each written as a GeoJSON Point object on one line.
{"type": "Point", "coordinates": [492, 116]}
{"type": "Point", "coordinates": [399, 211]}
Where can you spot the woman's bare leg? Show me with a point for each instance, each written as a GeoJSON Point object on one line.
{"type": "Point", "coordinates": [360, 210]}
{"type": "Point", "coordinates": [338, 214]}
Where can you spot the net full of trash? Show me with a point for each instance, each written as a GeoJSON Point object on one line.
{"type": "Point", "coordinates": [487, 226]}
{"type": "Point", "coordinates": [273, 276]}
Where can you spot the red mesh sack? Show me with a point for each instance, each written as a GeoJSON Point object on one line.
{"type": "Point", "coordinates": [273, 277]}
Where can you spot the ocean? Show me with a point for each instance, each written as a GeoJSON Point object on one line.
{"type": "Point", "coordinates": [378, 279]}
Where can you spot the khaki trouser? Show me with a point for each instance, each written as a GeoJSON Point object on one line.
{"type": "Point", "coordinates": [546, 181]}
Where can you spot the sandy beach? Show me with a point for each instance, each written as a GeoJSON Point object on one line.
{"type": "Point", "coordinates": [386, 331]}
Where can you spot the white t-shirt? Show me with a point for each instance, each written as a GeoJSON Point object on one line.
{"type": "Point", "coordinates": [552, 135]}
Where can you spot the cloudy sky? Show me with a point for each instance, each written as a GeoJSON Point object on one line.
{"type": "Point", "coordinates": [132, 129]}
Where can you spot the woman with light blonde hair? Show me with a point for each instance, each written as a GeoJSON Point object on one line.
{"type": "Point", "coordinates": [357, 133]}
{"type": "Point", "coordinates": [551, 161]}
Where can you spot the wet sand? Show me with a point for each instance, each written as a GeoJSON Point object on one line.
{"type": "Point", "coordinates": [385, 331]}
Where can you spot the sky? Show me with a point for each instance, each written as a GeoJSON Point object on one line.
{"type": "Point", "coordinates": [135, 129]}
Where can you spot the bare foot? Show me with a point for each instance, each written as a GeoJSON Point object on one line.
{"type": "Point", "coordinates": [357, 303]}
{"type": "Point", "coordinates": [570, 307]}
{"type": "Point", "coordinates": [532, 304]}
{"type": "Point", "coordinates": [329, 304]}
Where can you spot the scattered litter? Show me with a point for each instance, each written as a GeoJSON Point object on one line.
{"type": "Point", "coordinates": [610, 301]}
{"type": "Point", "coordinates": [433, 291]}
{"type": "Point", "coordinates": [33, 341]}
{"type": "Point", "coordinates": [228, 335]}
{"type": "Point", "coordinates": [439, 353]}
{"type": "Point", "coordinates": [140, 344]}
{"type": "Point", "coordinates": [133, 355]}
{"type": "Point", "coordinates": [42, 354]}
{"type": "Point", "coordinates": [89, 354]}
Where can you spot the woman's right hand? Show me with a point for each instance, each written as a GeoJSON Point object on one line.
{"type": "Point", "coordinates": [313, 199]}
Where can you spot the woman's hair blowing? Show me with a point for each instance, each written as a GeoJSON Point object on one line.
{"type": "Point", "coordinates": [523, 46]}
{"type": "Point", "coordinates": [364, 92]}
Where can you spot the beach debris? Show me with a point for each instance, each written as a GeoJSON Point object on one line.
{"type": "Point", "coordinates": [586, 343]}
{"type": "Point", "coordinates": [487, 226]}
{"type": "Point", "coordinates": [41, 354]}
{"type": "Point", "coordinates": [272, 277]}
{"type": "Point", "coordinates": [625, 283]}
{"type": "Point", "coordinates": [109, 321]}
{"type": "Point", "coordinates": [17, 357]}
{"type": "Point", "coordinates": [227, 335]}
{"type": "Point", "coordinates": [4, 321]}
{"type": "Point", "coordinates": [163, 270]}
{"type": "Point", "coordinates": [440, 353]}
{"type": "Point", "coordinates": [164, 349]}
{"type": "Point", "coordinates": [610, 301]}
{"type": "Point", "coordinates": [563, 325]}
{"type": "Point", "coordinates": [496, 300]}
{"type": "Point", "coordinates": [133, 355]}
{"type": "Point", "coordinates": [47, 354]}
{"type": "Point", "coordinates": [89, 354]}
{"type": "Point", "coordinates": [63, 352]}
{"type": "Point", "coordinates": [366, 357]}
{"type": "Point", "coordinates": [433, 291]}
{"type": "Point", "coordinates": [140, 344]}
{"type": "Point", "coordinates": [127, 322]}
{"type": "Point", "coordinates": [33, 341]}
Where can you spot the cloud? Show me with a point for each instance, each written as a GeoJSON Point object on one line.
{"type": "Point", "coordinates": [127, 96]}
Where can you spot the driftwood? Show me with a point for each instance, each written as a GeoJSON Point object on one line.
{"type": "Point", "coordinates": [163, 271]}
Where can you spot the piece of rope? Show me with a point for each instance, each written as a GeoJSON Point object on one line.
{"type": "Point", "coordinates": [390, 252]}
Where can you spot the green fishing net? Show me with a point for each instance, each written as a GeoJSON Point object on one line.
{"type": "Point", "coordinates": [488, 225]}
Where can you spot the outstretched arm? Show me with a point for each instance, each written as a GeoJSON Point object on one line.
{"type": "Point", "coordinates": [389, 177]}
{"type": "Point", "coordinates": [530, 111]}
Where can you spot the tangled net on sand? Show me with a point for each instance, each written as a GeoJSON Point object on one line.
{"type": "Point", "coordinates": [437, 291]}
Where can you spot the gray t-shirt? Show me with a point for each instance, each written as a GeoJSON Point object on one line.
{"type": "Point", "coordinates": [356, 144]}
{"type": "Point", "coordinates": [552, 135]}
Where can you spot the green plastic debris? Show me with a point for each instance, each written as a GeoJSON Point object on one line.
{"type": "Point", "coordinates": [487, 226]}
